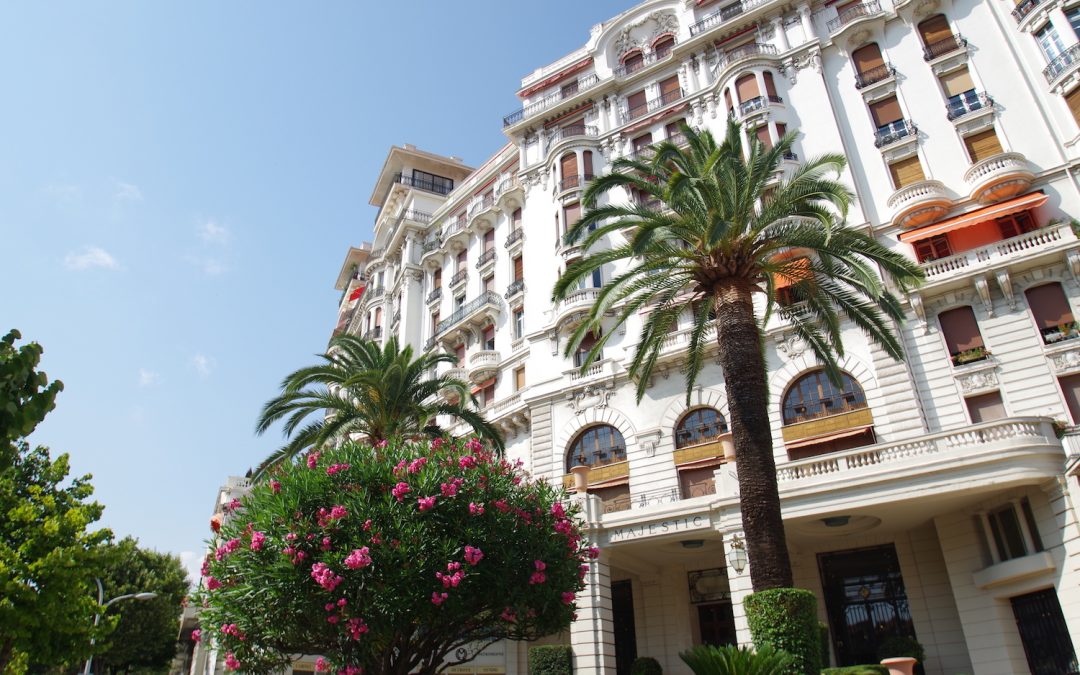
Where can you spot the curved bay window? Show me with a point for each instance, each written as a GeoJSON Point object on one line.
{"type": "Point", "coordinates": [702, 425]}
{"type": "Point", "coordinates": [821, 417]}
{"type": "Point", "coordinates": [596, 446]}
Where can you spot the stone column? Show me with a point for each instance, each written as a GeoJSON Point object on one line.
{"type": "Point", "coordinates": [807, 22]}
{"type": "Point", "coordinates": [592, 635]}
{"type": "Point", "coordinates": [782, 43]}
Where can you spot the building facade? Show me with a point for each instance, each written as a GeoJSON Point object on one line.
{"type": "Point", "coordinates": [927, 498]}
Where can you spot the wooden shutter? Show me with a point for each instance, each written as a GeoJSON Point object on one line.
{"type": "Point", "coordinates": [957, 82]}
{"type": "Point", "coordinates": [886, 111]}
{"type": "Point", "coordinates": [489, 240]}
{"type": "Point", "coordinates": [635, 101]}
{"type": "Point", "coordinates": [633, 62]}
{"type": "Point", "coordinates": [763, 135]}
{"type": "Point", "coordinates": [906, 172]}
{"type": "Point", "coordinates": [436, 279]}
{"type": "Point", "coordinates": [1049, 306]}
{"type": "Point", "coordinates": [586, 163]}
{"type": "Point", "coordinates": [781, 130]}
{"type": "Point", "coordinates": [985, 408]}
{"type": "Point", "coordinates": [982, 145]}
{"type": "Point", "coordinates": [519, 269]}
{"type": "Point", "coordinates": [462, 260]}
{"type": "Point", "coordinates": [642, 142]}
{"type": "Point", "coordinates": [1073, 99]}
{"type": "Point", "coordinates": [459, 352]}
{"type": "Point", "coordinates": [568, 165]}
{"type": "Point", "coordinates": [1070, 387]}
{"type": "Point", "coordinates": [669, 86]}
{"type": "Point", "coordinates": [867, 58]}
{"type": "Point", "coordinates": [489, 283]}
{"type": "Point", "coordinates": [770, 86]}
{"type": "Point", "coordinates": [727, 99]}
{"type": "Point", "coordinates": [515, 217]}
{"type": "Point", "coordinates": [746, 88]}
{"type": "Point", "coordinates": [663, 47]}
{"type": "Point", "coordinates": [489, 333]}
{"type": "Point", "coordinates": [933, 248]}
{"type": "Point", "coordinates": [519, 378]}
{"type": "Point", "coordinates": [672, 128]}
{"type": "Point", "coordinates": [935, 29]}
{"type": "Point", "coordinates": [378, 317]}
{"type": "Point", "coordinates": [960, 329]}
{"type": "Point", "coordinates": [571, 214]}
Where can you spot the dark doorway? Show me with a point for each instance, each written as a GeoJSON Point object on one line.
{"type": "Point", "coordinates": [622, 611]}
{"type": "Point", "coordinates": [717, 623]}
{"type": "Point", "coordinates": [1044, 633]}
{"type": "Point", "coordinates": [865, 601]}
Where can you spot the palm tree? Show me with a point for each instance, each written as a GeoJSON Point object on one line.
{"type": "Point", "coordinates": [726, 229]}
{"type": "Point", "coordinates": [370, 392]}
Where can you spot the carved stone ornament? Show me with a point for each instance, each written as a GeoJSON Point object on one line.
{"type": "Point", "coordinates": [982, 287]}
{"type": "Point", "coordinates": [1006, 286]}
{"type": "Point", "coordinates": [1065, 360]}
{"type": "Point", "coordinates": [808, 59]}
{"type": "Point", "coordinates": [649, 441]}
{"type": "Point", "coordinates": [590, 396]}
{"type": "Point", "coordinates": [654, 24]}
{"type": "Point", "coordinates": [790, 345]}
{"type": "Point", "coordinates": [977, 380]}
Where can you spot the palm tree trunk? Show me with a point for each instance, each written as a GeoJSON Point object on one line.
{"type": "Point", "coordinates": [743, 364]}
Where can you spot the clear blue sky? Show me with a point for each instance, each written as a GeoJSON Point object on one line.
{"type": "Point", "coordinates": [179, 183]}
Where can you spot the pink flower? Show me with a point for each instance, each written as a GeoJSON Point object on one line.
{"type": "Point", "coordinates": [205, 566]}
{"type": "Point", "coordinates": [196, 635]}
{"type": "Point", "coordinates": [417, 464]}
{"type": "Point", "coordinates": [451, 580]}
{"type": "Point", "coordinates": [231, 663]}
{"type": "Point", "coordinates": [290, 536]}
{"type": "Point", "coordinates": [312, 460]}
{"type": "Point", "coordinates": [333, 619]}
{"type": "Point", "coordinates": [321, 665]}
{"type": "Point", "coordinates": [502, 505]}
{"type": "Point", "coordinates": [355, 670]}
{"type": "Point", "coordinates": [367, 524]}
{"type": "Point", "coordinates": [275, 486]}
{"type": "Point", "coordinates": [537, 578]}
{"type": "Point", "coordinates": [359, 558]}
{"type": "Point", "coordinates": [338, 512]}
{"type": "Point", "coordinates": [583, 571]}
{"type": "Point", "coordinates": [233, 505]}
{"type": "Point", "coordinates": [567, 597]}
{"type": "Point", "coordinates": [539, 565]}
{"type": "Point", "coordinates": [436, 443]}
{"type": "Point", "coordinates": [382, 444]}
{"type": "Point", "coordinates": [356, 627]}
{"type": "Point", "coordinates": [329, 606]}
{"type": "Point", "coordinates": [227, 548]}
{"type": "Point", "coordinates": [257, 539]}
{"type": "Point", "coordinates": [594, 553]}
{"type": "Point", "coordinates": [325, 544]}
{"type": "Point", "coordinates": [473, 555]}
{"type": "Point", "coordinates": [400, 490]}
{"type": "Point", "coordinates": [476, 509]}
{"type": "Point", "coordinates": [474, 445]}
{"type": "Point", "coordinates": [325, 576]}
{"type": "Point", "coordinates": [564, 526]}
{"type": "Point", "coordinates": [450, 489]}
{"type": "Point", "coordinates": [230, 629]}
{"type": "Point", "coordinates": [508, 615]}
{"type": "Point", "coordinates": [401, 466]}
{"type": "Point", "coordinates": [212, 584]}
{"type": "Point", "coordinates": [467, 462]}
{"type": "Point", "coordinates": [336, 468]}
{"type": "Point", "coordinates": [426, 503]}
{"type": "Point", "coordinates": [299, 558]}
{"type": "Point", "coordinates": [438, 598]}
{"type": "Point", "coordinates": [342, 602]}
{"type": "Point", "coordinates": [557, 510]}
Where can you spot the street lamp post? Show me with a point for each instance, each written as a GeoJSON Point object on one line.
{"type": "Point", "coordinates": [104, 608]}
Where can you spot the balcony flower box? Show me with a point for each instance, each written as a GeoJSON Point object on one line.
{"type": "Point", "coordinates": [970, 356]}
{"type": "Point", "coordinates": [1064, 331]}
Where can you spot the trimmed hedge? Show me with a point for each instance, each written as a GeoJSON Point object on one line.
{"type": "Point", "coordinates": [646, 665]}
{"type": "Point", "coordinates": [551, 660]}
{"type": "Point", "coordinates": [870, 669]}
{"type": "Point", "coordinates": [823, 629]}
{"type": "Point", "coordinates": [786, 619]}
{"type": "Point", "coordinates": [901, 645]}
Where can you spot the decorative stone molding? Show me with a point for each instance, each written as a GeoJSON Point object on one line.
{"type": "Point", "coordinates": [790, 345]}
{"type": "Point", "coordinates": [630, 38]}
{"type": "Point", "coordinates": [982, 287]}
{"type": "Point", "coordinates": [590, 396]}
{"type": "Point", "coordinates": [1073, 260]}
{"type": "Point", "coordinates": [917, 306]}
{"type": "Point", "coordinates": [649, 440]}
{"type": "Point", "coordinates": [1066, 360]}
{"type": "Point", "coordinates": [1006, 286]}
{"type": "Point", "coordinates": [978, 379]}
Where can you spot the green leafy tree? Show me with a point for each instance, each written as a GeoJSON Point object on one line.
{"type": "Point", "coordinates": [367, 392]}
{"type": "Point", "coordinates": [145, 636]}
{"type": "Point", "coordinates": [404, 557]}
{"type": "Point", "coordinates": [48, 558]}
{"type": "Point", "coordinates": [727, 230]}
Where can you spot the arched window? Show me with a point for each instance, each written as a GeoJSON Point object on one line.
{"type": "Point", "coordinates": [700, 426]}
{"type": "Point", "coordinates": [596, 446]}
{"type": "Point", "coordinates": [746, 88]}
{"type": "Point", "coordinates": [663, 46]}
{"type": "Point", "coordinates": [633, 61]}
{"type": "Point", "coordinates": [813, 396]}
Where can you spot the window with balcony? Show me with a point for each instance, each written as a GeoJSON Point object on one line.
{"type": "Point", "coordinates": [459, 352]}
{"type": "Point", "coordinates": [662, 48]}
{"type": "Point", "coordinates": [489, 337]}
{"type": "Point", "coordinates": [937, 37]}
{"type": "Point", "coordinates": [378, 317]}
{"type": "Point", "coordinates": [888, 120]}
{"type": "Point", "coordinates": [489, 240]}
{"type": "Point", "coordinates": [571, 215]}
{"type": "Point", "coordinates": [596, 446]}
{"type": "Point", "coordinates": [870, 66]}
{"type": "Point", "coordinates": [459, 302]}
{"type": "Point", "coordinates": [1072, 99]}
{"type": "Point", "coordinates": [821, 417]}
{"type": "Point", "coordinates": [431, 182]}
{"type": "Point", "coordinates": [582, 353]}
{"type": "Point", "coordinates": [462, 260]}
{"type": "Point", "coordinates": [982, 145]}
{"type": "Point", "coordinates": [586, 166]}
{"type": "Point", "coordinates": [636, 105]}
{"type": "Point", "coordinates": [642, 145]}
{"type": "Point", "coordinates": [519, 322]}
{"type": "Point", "coordinates": [568, 169]}
{"type": "Point", "coordinates": [746, 88]}
{"type": "Point", "coordinates": [906, 171]}
{"type": "Point", "coordinates": [487, 393]}
{"type": "Point", "coordinates": [519, 378]}
{"type": "Point", "coordinates": [702, 425]}
{"type": "Point", "coordinates": [960, 94]}
{"type": "Point", "coordinates": [670, 90]}
{"type": "Point", "coordinates": [963, 340]}
{"type": "Point", "coordinates": [633, 62]}
{"type": "Point", "coordinates": [933, 248]}
{"type": "Point", "coordinates": [436, 278]}
{"type": "Point", "coordinates": [1012, 531]}
{"type": "Point", "coordinates": [519, 268]}
{"type": "Point", "coordinates": [698, 482]}
{"type": "Point", "coordinates": [1070, 389]}
{"type": "Point", "coordinates": [1049, 41]}
{"type": "Point", "coordinates": [1052, 313]}
{"type": "Point", "coordinates": [761, 134]}
{"type": "Point", "coordinates": [985, 407]}
{"type": "Point", "coordinates": [488, 285]}
{"type": "Point", "coordinates": [814, 395]}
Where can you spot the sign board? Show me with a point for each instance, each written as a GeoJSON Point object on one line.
{"type": "Point", "coordinates": [658, 528]}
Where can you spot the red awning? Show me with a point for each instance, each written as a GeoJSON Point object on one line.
{"type": "Point", "coordinates": [357, 292]}
{"type": "Point", "coordinates": [1028, 201]}
{"type": "Point", "coordinates": [814, 440]}
{"type": "Point", "coordinates": [480, 387]}
{"type": "Point", "coordinates": [702, 463]}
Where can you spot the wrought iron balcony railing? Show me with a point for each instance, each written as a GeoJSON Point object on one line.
{"type": "Point", "coordinates": [568, 91]}
{"type": "Point", "coordinates": [894, 131]}
{"type": "Point", "coordinates": [487, 298]}
{"type": "Point", "coordinates": [426, 184]}
{"type": "Point", "coordinates": [852, 13]}
{"type": "Point", "coordinates": [1061, 63]}
{"type": "Point", "coordinates": [874, 75]}
{"type": "Point", "coordinates": [485, 258]}
{"type": "Point", "coordinates": [968, 103]}
{"type": "Point", "coordinates": [943, 46]}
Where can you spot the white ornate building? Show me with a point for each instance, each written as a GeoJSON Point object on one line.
{"type": "Point", "coordinates": [929, 498]}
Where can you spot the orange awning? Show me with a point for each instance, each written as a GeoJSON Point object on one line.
{"type": "Point", "coordinates": [814, 440]}
{"type": "Point", "coordinates": [483, 385]}
{"type": "Point", "coordinates": [1028, 201]}
{"type": "Point", "coordinates": [795, 271]}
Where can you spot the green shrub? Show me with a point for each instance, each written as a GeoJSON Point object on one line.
{"type": "Point", "coordinates": [646, 665]}
{"type": "Point", "coordinates": [871, 669]}
{"type": "Point", "coordinates": [786, 619]}
{"type": "Point", "coordinates": [551, 660]}
{"type": "Point", "coordinates": [901, 645]}
{"type": "Point", "coordinates": [823, 633]}
{"type": "Point", "coordinates": [732, 660]}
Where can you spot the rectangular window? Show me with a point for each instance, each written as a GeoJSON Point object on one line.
{"type": "Point", "coordinates": [1052, 313]}
{"type": "Point", "coordinates": [519, 378]}
{"type": "Point", "coordinates": [489, 337]}
{"type": "Point", "coordinates": [587, 343]}
{"type": "Point", "coordinates": [957, 83]}
{"type": "Point", "coordinates": [489, 240]}
{"type": "Point", "coordinates": [933, 248]}
{"type": "Point", "coordinates": [519, 268]}
{"type": "Point", "coordinates": [867, 58]}
{"type": "Point", "coordinates": [1073, 15]}
{"type": "Point", "coordinates": [906, 171]}
{"type": "Point", "coordinates": [519, 322]}
{"type": "Point", "coordinates": [459, 352]}
{"type": "Point", "coordinates": [568, 166]}
{"type": "Point", "coordinates": [762, 134]}
{"type": "Point", "coordinates": [1016, 224]}
{"type": "Point", "coordinates": [1072, 99]}
{"type": "Point", "coordinates": [670, 91]}
{"type": "Point", "coordinates": [1070, 388]}
{"type": "Point", "coordinates": [462, 260]}
{"type": "Point", "coordinates": [746, 88]}
{"type": "Point", "coordinates": [934, 30]}
{"type": "Point", "coordinates": [982, 145]}
{"type": "Point", "coordinates": [1014, 531]}
{"type": "Point", "coordinates": [431, 182]}
{"type": "Point", "coordinates": [671, 129]}
{"type": "Point", "coordinates": [515, 218]}
{"type": "Point", "coordinates": [635, 105]}
{"type": "Point", "coordinates": [434, 322]}
{"type": "Point", "coordinates": [436, 278]}
{"type": "Point", "coordinates": [488, 395]}
{"type": "Point", "coordinates": [698, 482]}
{"type": "Point", "coordinates": [1049, 41]}
{"type": "Point", "coordinates": [886, 112]}
{"type": "Point", "coordinates": [489, 284]}
{"type": "Point", "coordinates": [459, 302]}
{"type": "Point", "coordinates": [985, 407]}
{"type": "Point", "coordinates": [571, 215]}
{"type": "Point", "coordinates": [962, 336]}
{"type": "Point", "coordinates": [642, 142]}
